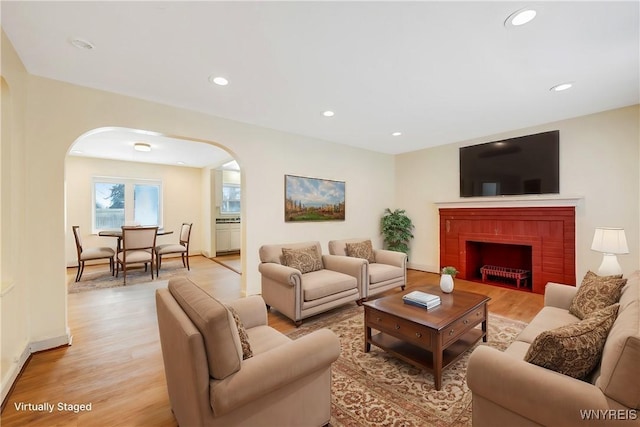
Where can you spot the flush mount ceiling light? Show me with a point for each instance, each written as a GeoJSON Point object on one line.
{"type": "Point", "coordinates": [328, 113]}
{"type": "Point", "coordinates": [561, 87]}
{"type": "Point", "coordinates": [82, 44]}
{"type": "Point", "coordinates": [520, 17]}
{"type": "Point", "coordinates": [220, 81]}
{"type": "Point", "coordinates": [396, 134]}
{"type": "Point", "coordinates": [142, 146]}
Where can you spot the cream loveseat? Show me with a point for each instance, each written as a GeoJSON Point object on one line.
{"type": "Point", "coordinates": [311, 283]}
{"type": "Point", "coordinates": [210, 383]}
{"type": "Point", "coordinates": [384, 269]}
{"type": "Point", "coordinates": [508, 391]}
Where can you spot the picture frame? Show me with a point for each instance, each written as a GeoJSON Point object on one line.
{"type": "Point", "coordinates": [313, 199]}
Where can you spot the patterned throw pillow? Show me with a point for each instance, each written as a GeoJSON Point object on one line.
{"type": "Point", "coordinates": [596, 292]}
{"type": "Point", "coordinates": [244, 337]}
{"type": "Point", "coordinates": [304, 259]}
{"type": "Point", "coordinates": [575, 349]}
{"type": "Point", "coordinates": [361, 250]}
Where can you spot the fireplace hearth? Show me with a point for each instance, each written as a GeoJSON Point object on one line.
{"type": "Point", "coordinates": [538, 240]}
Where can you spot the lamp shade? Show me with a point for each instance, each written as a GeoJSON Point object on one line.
{"type": "Point", "coordinates": [610, 241]}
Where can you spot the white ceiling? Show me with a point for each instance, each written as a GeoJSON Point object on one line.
{"type": "Point", "coordinates": [438, 72]}
{"type": "Point", "coordinates": [117, 144]}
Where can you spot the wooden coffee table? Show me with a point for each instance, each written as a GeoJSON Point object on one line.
{"type": "Point", "coordinates": [430, 339]}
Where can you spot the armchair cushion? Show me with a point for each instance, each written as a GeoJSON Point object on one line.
{"type": "Point", "coordinates": [304, 259]}
{"type": "Point", "coordinates": [574, 349]}
{"type": "Point", "coordinates": [382, 272]}
{"type": "Point", "coordinates": [361, 250]}
{"type": "Point", "coordinates": [319, 284]}
{"type": "Point", "coordinates": [596, 292]}
{"type": "Point", "coordinates": [215, 323]}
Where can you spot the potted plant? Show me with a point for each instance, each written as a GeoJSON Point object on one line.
{"type": "Point", "coordinates": [446, 279]}
{"type": "Point", "coordinates": [397, 230]}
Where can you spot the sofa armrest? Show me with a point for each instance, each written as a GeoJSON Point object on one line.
{"type": "Point", "coordinates": [383, 256]}
{"type": "Point", "coordinates": [252, 310]}
{"type": "Point", "coordinates": [266, 372]}
{"type": "Point", "coordinates": [355, 267]}
{"type": "Point", "coordinates": [559, 295]}
{"type": "Point", "coordinates": [538, 394]}
{"type": "Point", "coordinates": [280, 273]}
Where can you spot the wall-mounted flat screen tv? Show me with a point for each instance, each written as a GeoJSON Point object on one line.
{"type": "Point", "coordinates": [523, 165]}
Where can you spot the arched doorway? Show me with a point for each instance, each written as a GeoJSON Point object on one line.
{"type": "Point", "coordinates": [182, 168]}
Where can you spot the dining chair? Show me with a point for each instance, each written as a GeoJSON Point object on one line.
{"type": "Point", "coordinates": [88, 254]}
{"type": "Point", "coordinates": [181, 248]}
{"type": "Point", "coordinates": [138, 247]}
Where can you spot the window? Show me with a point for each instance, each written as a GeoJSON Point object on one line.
{"type": "Point", "coordinates": [230, 198]}
{"type": "Point", "coordinates": [121, 201]}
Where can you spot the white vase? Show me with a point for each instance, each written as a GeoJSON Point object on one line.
{"type": "Point", "coordinates": [446, 283]}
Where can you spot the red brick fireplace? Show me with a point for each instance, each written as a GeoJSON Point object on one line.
{"type": "Point", "coordinates": [540, 240]}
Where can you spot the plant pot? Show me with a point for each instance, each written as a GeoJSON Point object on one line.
{"type": "Point", "coordinates": [446, 283]}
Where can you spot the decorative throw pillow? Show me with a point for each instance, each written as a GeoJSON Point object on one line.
{"type": "Point", "coordinates": [361, 250]}
{"type": "Point", "coordinates": [596, 292]}
{"type": "Point", "coordinates": [575, 349]}
{"type": "Point", "coordinates": [304, 259]}
{"type": "Point", "coordinates": [244, 337]}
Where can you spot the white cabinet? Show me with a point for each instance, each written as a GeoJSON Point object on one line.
{"type": "Point", "coordinates": [228, 237]}
{"type": "Point", "coordinates": [235, 237]}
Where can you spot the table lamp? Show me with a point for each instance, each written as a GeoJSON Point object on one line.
{"type": "Point", "coordinates": [609, 241]}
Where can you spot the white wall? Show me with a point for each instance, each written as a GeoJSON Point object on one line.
{"type": "Point", "coordinates": [182, 198]}
{"type": "Point", "coordinates": [14, 292]}
{"type": "Point", "coordinates": [598, 162]}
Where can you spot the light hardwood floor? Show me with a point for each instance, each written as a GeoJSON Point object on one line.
{"type": "Point", "coordinates": [115, 362]}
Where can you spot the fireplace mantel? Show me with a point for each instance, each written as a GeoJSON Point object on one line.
{"type": "Point", "coordinates": [546, 200]}
{"type": "Point", "coordinates": [549, 231]}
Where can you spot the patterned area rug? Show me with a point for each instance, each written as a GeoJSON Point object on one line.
{"type": "Point", "coordinates": [377, 389]}
{"type": "Point", "coordinates": [103, 279]}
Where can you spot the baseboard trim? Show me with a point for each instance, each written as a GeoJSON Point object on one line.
{"type": "Point", "coordinates": [50, 343]}
{"type": "Point", "coordinates": [15, 370]}
{"type": "Point", "coordinates": [422, 267]}
{"type": "Point", "coordinates": [20, 362]}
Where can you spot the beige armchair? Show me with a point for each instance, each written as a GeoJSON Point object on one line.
{"type": "Point", "coordinates": [210, 383]}
{"type": "Point", "coordinates": [299, 282]}
{"type": "Point", "coordinates": [384, 269]}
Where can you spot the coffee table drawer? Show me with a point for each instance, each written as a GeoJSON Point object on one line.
{"type": "Point", "coordinates": [401, 328]}
{"type": "Point", "coordinates": [459, 327]}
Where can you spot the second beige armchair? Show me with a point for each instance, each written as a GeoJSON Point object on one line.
{"type": "Point", "coordinates": [384, 269]}
{"type": "Point", "coordinates": [300, 282]}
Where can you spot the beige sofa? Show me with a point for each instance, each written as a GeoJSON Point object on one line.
{"type": "Point", "coordinates": [284, 383]}
{"type": "Point", "coordinates": [387, 271]}
{"type": "Point", "coordinates": [507, 391]}
{"type": "Point", "coordinates": [299, 295]}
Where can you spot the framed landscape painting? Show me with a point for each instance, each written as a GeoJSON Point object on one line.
{"type": "Point", "coordinates": [313, 199]}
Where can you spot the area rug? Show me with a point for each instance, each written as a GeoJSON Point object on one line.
{"type": "Point", "coordinates": [377, 389]}
{"type": "Point", "coordinates": [102, 279]}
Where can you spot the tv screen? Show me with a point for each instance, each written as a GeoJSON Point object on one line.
{"type": "Point", "coordinates": [524, 165]}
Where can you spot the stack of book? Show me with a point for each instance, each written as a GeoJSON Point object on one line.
{"type": "Point", "coordinates": [422, 299]}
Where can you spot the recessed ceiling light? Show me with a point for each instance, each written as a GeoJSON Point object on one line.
{"type": "Point", "coordinates": [396, 134]}
{"type": "Point", "coordinates": [220, 81]}
{"type": "Point", "coordinates": [142, 146]}
{"type": "Point", "coordinates": [328, 113]}
{"type": "Point", "coordinates": [561, 87]}
{"type": "Point", "coordinates": [82, 44]}
{"type": "Point", "coordinates": [520, 17]}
